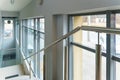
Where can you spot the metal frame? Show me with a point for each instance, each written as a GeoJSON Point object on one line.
{"type": "Point", "coordinates": [87, 48]}
{"type": "Point", "coordinates": [70, 50]}
{"type": "Point", "coordinates": [110, 73]}
{"type": "Point", "coordinates": [94, 13]}
{"type": "Point", "coordinates": [38, 47]}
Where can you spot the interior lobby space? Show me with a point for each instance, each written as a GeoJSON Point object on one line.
{"type": "Point", "coordinates": [59, 40]}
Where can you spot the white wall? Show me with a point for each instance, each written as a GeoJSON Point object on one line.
{"type": "Point", "coordinates": [9, 14]}
{"type": "Point", "coordinates": [61, 28]}
{"type": "Point", "coordinates": [52, 7]}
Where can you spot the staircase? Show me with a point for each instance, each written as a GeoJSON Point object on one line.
{"type": "Point", "coordinates": [15, 72]}
{"type": "Point", "coordinates": [23, 77]}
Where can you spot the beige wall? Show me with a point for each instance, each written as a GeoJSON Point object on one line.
{"type": "Point", "coordinates": [77, 37]}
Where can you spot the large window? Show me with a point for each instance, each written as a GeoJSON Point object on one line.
{"type": "Point", "coordinates": [83, 60]}
{"type": "Point", "coordinates": [83, 46]}
{"type": "Point", "coordinates": [33, 36]}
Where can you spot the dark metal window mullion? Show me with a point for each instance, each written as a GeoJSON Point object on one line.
{"type": "Point", "coordinates": [34, 42]}
{"type": "Point", "coordinates": [38, 47]}
{"type": "Point", "coordinates": [110, 64]}
{"type": "Point", "coordinates": [70, 50]}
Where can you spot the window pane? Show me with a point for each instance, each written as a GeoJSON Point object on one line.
{"type": "Point", "coordinates": [90, 38]}
{"type": "Point", "coordinates": [17, 30]}
{"type": "Point", "coordinates": [33, 41]}
{"type": "Point", "coordinates": [103, 68]}
{"type": "Point", "coordinates": [8, 28]}
{"type": "Point", "coordinates": [41, 65]}
{"type": "Point", "coordinates": [117, 70]}
{"type": "Point", "coordinates": [88, 65]}
{"type": "Point", "coordinates": [23, 40]}
{"type": "Point", "coordinates": [30, 41]}
{"type": "Point", "coordinates": [117, 44]}
{"type": "Point", "coordinates": [84, 65]}
{"type": "Point", "coordinates": [42, 24]}
{"type": "Point", "coordinates": [117, 20]}
{"type": "Point", "coordinates": [94, 20]}
{"type": "Point", "coordinates": [117, 36]}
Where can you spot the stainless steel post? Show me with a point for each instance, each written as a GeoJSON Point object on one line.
{"type": "Point", "coordinates": [30, 70]}
{"type": "Point", "coordinates": [44, 66]}
{"type": "Point", "coordinates": [66, 64]}
{"type": "Point", "coordinates": [98, 62]}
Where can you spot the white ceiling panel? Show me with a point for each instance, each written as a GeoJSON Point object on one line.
{"type": "Point", "coordinates": [5, 5]}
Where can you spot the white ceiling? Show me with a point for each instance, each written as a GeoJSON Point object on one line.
{"type": "Point", "coordinates": [5, 5]}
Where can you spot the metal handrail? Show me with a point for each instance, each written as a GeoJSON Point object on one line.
{"type": "Point", "coordinates": [55, 42]}
{"type": "Point", "coordinates": [88, 28]}
{"type": "Point", "coordinates": [101, 29]}
{"type": "Point", "coordinates": [28, 64]}
{"type": "Point", "coordinates": [33, 29]}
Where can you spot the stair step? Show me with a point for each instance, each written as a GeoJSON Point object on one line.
{"type": "Point", "coordinates": [23, 77]}
{"type": "Point", "coordinates": [11, 71]}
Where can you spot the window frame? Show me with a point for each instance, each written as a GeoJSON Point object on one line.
{"type": "Point", "coordinates": [110, 54]}
{"type": "Point", "coordinates": [32, 24]}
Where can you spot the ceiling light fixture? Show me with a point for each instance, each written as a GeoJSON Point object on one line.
{"type": "Point", "coordinates": [12, 1]}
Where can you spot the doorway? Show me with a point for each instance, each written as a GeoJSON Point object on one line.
{"type": "Point", "coordinates": [8, 48]}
